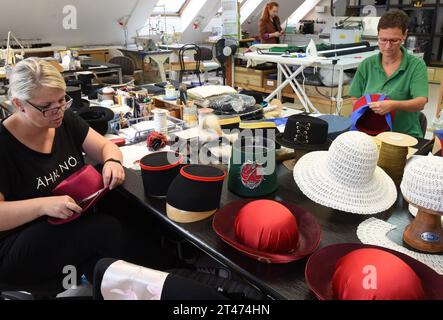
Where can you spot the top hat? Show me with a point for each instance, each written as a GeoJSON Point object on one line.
{"type": "Point", "coordinates": [195, 193]}
{"type": "Point", "coordinates": [337, 272]}
{"type": "Point", "coordinates": [77, 102]}
{"type": "Point", "coordinates": [304, 132]}
{"type": "Point", "coordinates": [97, 118]}
{"type": "Point", "coordinates": [365, 120]}
{"type": "Point", "coordinates": [85, 186]}
{"type": "Point", "coordinates": [267, 230]}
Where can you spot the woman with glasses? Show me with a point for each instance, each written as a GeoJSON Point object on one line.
{"type": "Point", "coordinates": [41, 144]}
{"type": "Point", "coordinates": [395, 73]}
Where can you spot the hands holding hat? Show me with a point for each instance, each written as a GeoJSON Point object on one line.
{"type": "Point", "coordinates": [382, 107]}
{"type": "Point", "coordinates": [113, 173]}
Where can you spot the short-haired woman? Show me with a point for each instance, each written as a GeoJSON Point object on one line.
{"type": "Point", "coordinates": [269, 26]}
{"type": "Point", "coordinates": [41, 145]}
{"type": "Point", "coordinates": [396, 73]}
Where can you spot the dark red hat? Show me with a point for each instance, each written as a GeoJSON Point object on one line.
{"type": "Point", "coordinates": [342, 271]}
{"type": "Point", "coordinates": [267, 230]}
{"type": "Point", "coordinates": [85, 186]}
{"type": "Point", "coordinates": [367, 121]}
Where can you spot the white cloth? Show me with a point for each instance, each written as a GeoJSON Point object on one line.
{"type": "Point", "coordinates": [132, 154]}
{"type": "Point", "coordinates": [204, 92]}
{"type": "Point", "coordinates": [127, 281]}
{"type": "Point", "coordinates": [374, 231]}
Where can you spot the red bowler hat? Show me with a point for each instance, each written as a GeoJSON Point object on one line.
{"type": "Point", "coordinates": [367, 121]}
{"type": "Point", "coordinates": [353, 271]}
{"type": "Point", "coordinates": [85, 186]}
{"type": "Point", "coordinates": [267, 230]}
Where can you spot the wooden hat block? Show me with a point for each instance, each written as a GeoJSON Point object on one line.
{"type": "Point", "coordinates": [425, 232]}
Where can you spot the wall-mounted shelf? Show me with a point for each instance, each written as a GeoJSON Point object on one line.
{"type": "Point", "coordinates": [423, 25]}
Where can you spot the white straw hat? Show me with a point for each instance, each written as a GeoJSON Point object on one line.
{"type": "Point", "coordinates": [346, 177]}
{"type": "Point", "coordinates": [422, 183]}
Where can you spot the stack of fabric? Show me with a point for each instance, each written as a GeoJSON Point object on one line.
{"type": "Point", "coordinates": [225, 100]}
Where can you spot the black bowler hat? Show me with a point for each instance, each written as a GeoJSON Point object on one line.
{"type": "Point", "coordinates": [97, 118]}
{"type": "Point", "coordinates": [77, 102]}
{"type": "Point", "coordinates": [304, 132]}
{"type": "Point", "coordinates": [195, 193]}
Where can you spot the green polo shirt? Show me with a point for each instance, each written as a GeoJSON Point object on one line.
{"type": "Point", "coordinates": [409, 81]}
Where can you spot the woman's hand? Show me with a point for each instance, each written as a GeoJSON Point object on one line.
{"type": "Point", "coordinates": [113, 174]}
{"type": "Point", "coordinates": [61, 207]}
{"type": "Point", "coordinates": [275, 34]}
{"type": "Point", "coordinates": [382, 107]}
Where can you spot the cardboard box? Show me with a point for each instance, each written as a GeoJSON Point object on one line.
{"type": "Point", "coordinates": [189, 65]}
{"type": "Point", "coordinates": [251, 77]}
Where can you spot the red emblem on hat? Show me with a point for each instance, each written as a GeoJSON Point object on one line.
{"type": "Point", "coordinates": [251, 174]}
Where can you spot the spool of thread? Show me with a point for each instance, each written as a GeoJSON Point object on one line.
{"type": "Point", "coordinates": [392, 159]}
{"type": "Point", "coordinates": [160, 120]}
{"type": "Point", "coordinates": [393, 153]}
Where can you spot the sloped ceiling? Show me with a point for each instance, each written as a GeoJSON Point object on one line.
{"type": "Point", "coordinates": [97, 20]}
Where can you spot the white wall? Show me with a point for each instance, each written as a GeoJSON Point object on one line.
{"type": "Point", "coordinates": [286, 8]}
{"type": "Point", "coordinates": [204, 8]}
{"type": "Point", "coordinates": [97, 20]}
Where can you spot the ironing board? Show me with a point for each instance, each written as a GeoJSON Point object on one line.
{"type": "Point", "coordinates": [344, 62]}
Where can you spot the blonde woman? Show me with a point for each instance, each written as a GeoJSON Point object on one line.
{"type": "Point", "coordinates": [41, 144]}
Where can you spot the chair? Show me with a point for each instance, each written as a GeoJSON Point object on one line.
{"type": "Point", "coordinates": [207, 58]}
{"type": "Point", "coordinates": [195, 66]}
{"type": "Point", "coordinates": [128, 68]}
{"type": "Point", "coordinates": [423, 123]}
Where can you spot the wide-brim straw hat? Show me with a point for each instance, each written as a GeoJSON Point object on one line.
{"type": "Point", "coordinates": [346, 177]}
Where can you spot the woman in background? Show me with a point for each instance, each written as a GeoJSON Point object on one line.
{"type": "Point", "coordinates": [269, 26]}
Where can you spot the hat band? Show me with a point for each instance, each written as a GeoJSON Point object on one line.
{"type": "Point", "coordinates": [161, 168]}
{"type": "Point", "coordinates": [200, 178]}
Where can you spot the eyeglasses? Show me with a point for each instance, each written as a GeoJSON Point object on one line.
{"type": "Point", "coordinates": [384, 41]}
{"type": "Point", "coordinates": [47, 111]}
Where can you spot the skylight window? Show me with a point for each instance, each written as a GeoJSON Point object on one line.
{"type": "Point", "coordinates": [170, 7]}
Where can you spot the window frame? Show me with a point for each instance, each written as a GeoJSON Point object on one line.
{"type": "Point", "coordinates": [177, 14]}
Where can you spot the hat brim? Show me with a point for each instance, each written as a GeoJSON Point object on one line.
{"type": "Point", "coordinates": [292, 145]}
{"type": "Point", "coordinates": [315, 181]}
{"type": "Point", "coordinates": [85, 206]}
{"type": "Point", "coordinates": [106, 114]}
{"type": "Point", "coordinates": [309, 233]}
{"type": "Point", "coordinates": [247, 114]}
{"type": "Point", "coordinates": [84, 104]}
{"type": "Point", "coordinates": [321, 266]}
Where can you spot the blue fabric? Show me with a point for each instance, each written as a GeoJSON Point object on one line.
{"type": "Point", "coordinates": [357, 114]}
{"type": "Point", "coordinates": [336, 124]}
{"type": "Point", "coordinates": [277, 121]}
